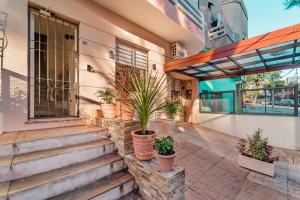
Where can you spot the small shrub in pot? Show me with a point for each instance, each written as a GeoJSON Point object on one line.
{"type": "Point", "coordinates": [172, 108]}
{"type": "Point", "coordinates": [256, 154]}
{"type": "Point", "coordinates": [166, 154]}
{"type": "Point", "coordinates": [108, 108]}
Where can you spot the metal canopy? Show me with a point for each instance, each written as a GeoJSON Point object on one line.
{"type": "Point", "coordinates": [273, 51]}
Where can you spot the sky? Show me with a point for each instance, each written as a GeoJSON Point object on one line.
{"type": "Point", "coordinates": [267, 15]}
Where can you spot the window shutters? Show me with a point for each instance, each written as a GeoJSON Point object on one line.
{"type": "Point", "coordinates": [131, 56]}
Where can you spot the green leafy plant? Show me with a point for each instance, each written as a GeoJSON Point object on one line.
{"type": "Point", "coordinates": [172, 108]}
{"type": "Point", "coordinates": [148, 96]}
{"type": "Point", "coordinates": [164, 145]}
{"type": "Point", "coordinates": [107, 95]}
{"type": "Point", "coordinates": [257, 147]}
{"type": "Point", "coordinates": [288, 4]}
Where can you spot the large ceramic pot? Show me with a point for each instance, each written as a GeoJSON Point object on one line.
{"type": "Point", "coordinates": [108, 110]}
{"type": "Point", "coordinates": [124, 111]}
{"type": "Point", "coordinates": [166, 162]}
{"type": "Point", "coordinates": [143, 144]}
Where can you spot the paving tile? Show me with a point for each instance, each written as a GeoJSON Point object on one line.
{"type": "Point", "coordinates": [294, 189]}
{"type": "Point", "coordinates": [195, 195]}
{"type": "Point", "coordinates": [212, 172]}
{"type": "Point", "coordinates": [208, 155]}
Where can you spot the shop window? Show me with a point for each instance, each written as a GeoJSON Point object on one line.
{"type": "Point", "coordinates": [217, 102]}
{"type": "Point", "coordinates": [272, 101]}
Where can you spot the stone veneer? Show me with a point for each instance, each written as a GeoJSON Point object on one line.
{"type": "Point", "coordinates": [154, 184]}
{"type": "Point", "coordinates": [120, 132]}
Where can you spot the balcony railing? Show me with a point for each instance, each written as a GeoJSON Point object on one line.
{"type": "Point", "coordinates": [190, 11]}
{"type": "Point", "coordinates": [222, 30]}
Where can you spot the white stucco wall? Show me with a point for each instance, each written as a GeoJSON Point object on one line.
{"type": "Point", "coordinates": [282, 131]}
{"type": "Point", "coordinates": [98, 27]}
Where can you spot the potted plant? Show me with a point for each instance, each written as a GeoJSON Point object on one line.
{"type": "Point", "coordinates": [108, 108]}
{"type": "Point", "coordinates": [146, 98]}
{"type": "Point", "coordinates": [172, 108]}
{"type": "Point", "coordinates": [164, 147]}
{"type": "Point", "coordinates": [256, 154]}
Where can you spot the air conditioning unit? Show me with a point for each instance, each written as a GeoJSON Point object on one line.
{"type": "Point", "coordinates": [178, 51]}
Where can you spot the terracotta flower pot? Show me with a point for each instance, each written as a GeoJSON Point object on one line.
{"type": "Point", "coordinates": [99, 113]}
{"type": "Point", "coordinates": [143, 145]}
{"type": "Point", "coordinates": [166, 162]}
{"type": "Point", "coordinates": [108, 110]}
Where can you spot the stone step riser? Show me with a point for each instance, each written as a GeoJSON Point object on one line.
{"type": "Point", "coordinates": [117, 192]}
{"type": "Point", "coordinates": [32, 167]}
{"type": "Point", "coordinates": [49, 143]}
{"type": "Point", "coordinates": [68, 183]}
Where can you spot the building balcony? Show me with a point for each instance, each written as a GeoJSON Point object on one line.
{"type": "Point", "coordinates": [223, 30]}
{"type": "Point", "coordinates": [172, 20]}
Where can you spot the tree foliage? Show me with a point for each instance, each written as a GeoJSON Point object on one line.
{"type": "Point", "coordinates": [259, 80]}
{"type": "Point", "coordinates": [288, 4]}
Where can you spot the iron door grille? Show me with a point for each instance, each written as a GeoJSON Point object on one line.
{"type": "Point", "coordinates": [53, 66]}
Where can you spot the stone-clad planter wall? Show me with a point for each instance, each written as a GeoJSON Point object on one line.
{"type": "Point", "coordinates": [121, 134]}
{"type": "Point", "coordinates": [154, 184]}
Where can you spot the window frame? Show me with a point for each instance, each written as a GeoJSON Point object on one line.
{"type": "Point", "coordinates": [218, 92]}
{"type": "Point", "coordinates": [296, 106]}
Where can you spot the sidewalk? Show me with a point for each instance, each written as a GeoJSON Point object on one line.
{"type": "Point", "coordinates": [212, 172]}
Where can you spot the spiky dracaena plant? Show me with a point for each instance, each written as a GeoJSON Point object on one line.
{"type": "Point", "coordinates": [148, 96]}
{"type": "Point", "coordinates": [118, 79]}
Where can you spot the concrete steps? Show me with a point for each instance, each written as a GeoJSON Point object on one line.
{"type": "Point", "coordinates": [52, 183]}
{"type": "Point", "coordinates": [113, 187]}
{"type": "Point", "coordinates": [24, 165]}
{"type": "Point", "coordinates": [77, 162]}
{"type": "Point", "coordinates": [37, 140]}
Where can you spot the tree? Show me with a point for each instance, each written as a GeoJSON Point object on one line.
{"type": "Point", "coordinates": [288, 4]}
{"type": "Point", "coordinates": [261, 80]}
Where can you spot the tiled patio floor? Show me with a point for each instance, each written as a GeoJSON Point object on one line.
{"type": "Point", "coordinates": [210, 160]}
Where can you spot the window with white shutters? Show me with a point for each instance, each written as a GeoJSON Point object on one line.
{"type": "Point", "coordinates": [130, 55]}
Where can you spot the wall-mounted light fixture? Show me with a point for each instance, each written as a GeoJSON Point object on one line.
{"type": "Point", "coordinates": [84, 42]}
{"type": "Point", "coordinates": [153, 66]}
{"type": "Point", "coordinates": [111, 55]}
{"type": "Point", "coordinates": [89, 68]}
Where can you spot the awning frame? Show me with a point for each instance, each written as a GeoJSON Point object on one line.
{"type": "Point", "coordinates": [277, 50]}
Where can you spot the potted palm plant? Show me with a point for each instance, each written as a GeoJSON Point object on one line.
{"type": "Point", "coordinates": [108, 108]}
{"type": "Point", "coordinates": [164, 147]}
{"type": "Point", "coordinates": [256, 154]}
{"type": "Point", "coordinates": [146, 98]}
{"type": "Point", "coordinates": [172, 108]}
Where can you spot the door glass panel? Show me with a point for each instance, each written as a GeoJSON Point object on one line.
{"type": "Point", "coordinates": [53, 66]}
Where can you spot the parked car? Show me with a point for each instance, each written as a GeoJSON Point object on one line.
{"type": "Point", "coordinates": [287, 102]}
